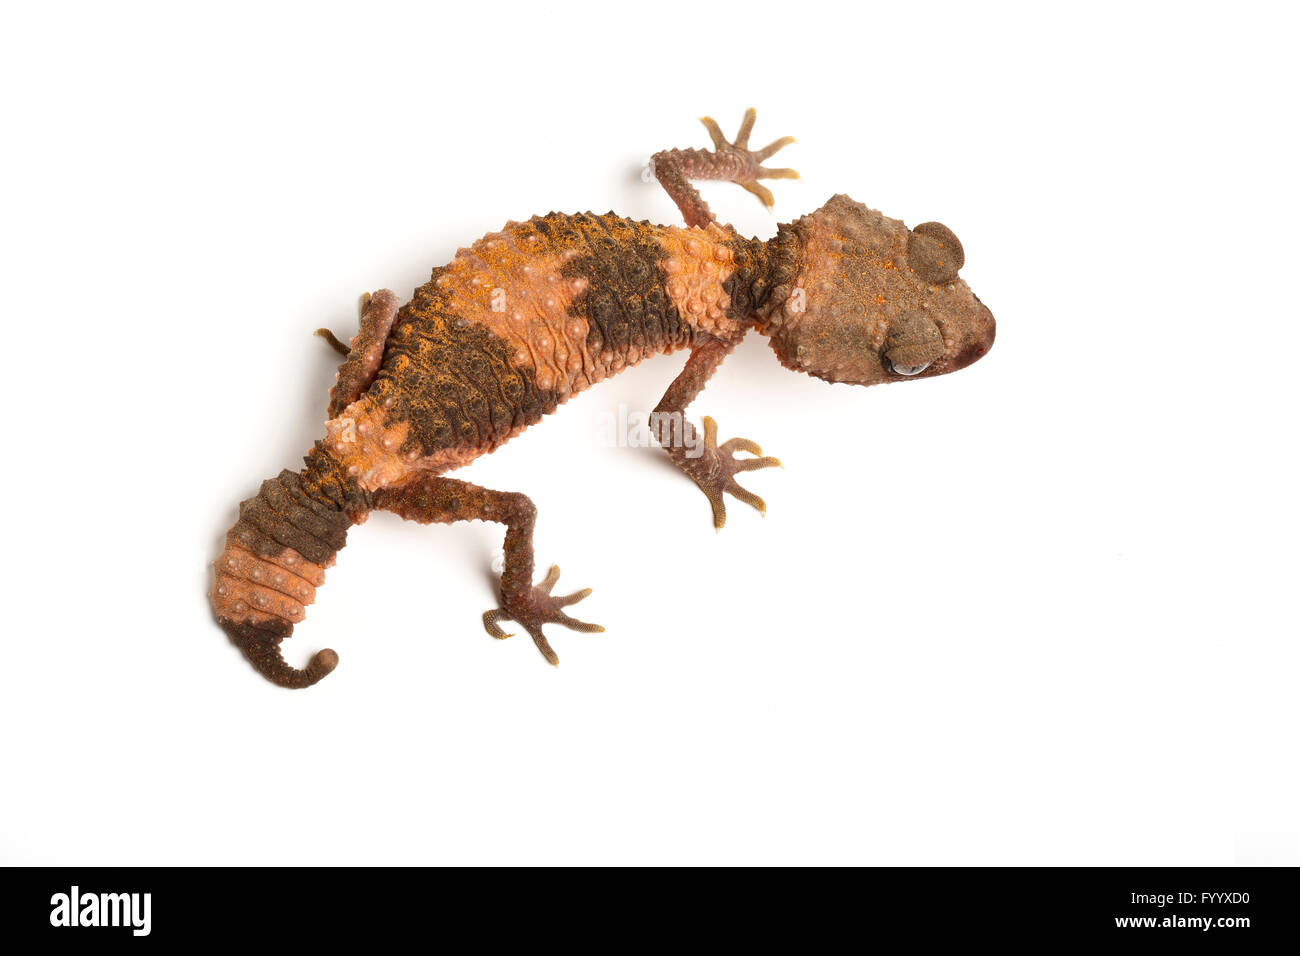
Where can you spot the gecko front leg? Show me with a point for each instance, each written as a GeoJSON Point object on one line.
{"type": "Point", "coordinates": [711, 466]}
{"type": "Point", "coordinates": [429, 499]}
{"type": "Point", "coordinates": [732, 162]}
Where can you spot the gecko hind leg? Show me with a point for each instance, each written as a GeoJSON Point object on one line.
{"type": "Point", "coordinates": [731, 161]}
{"type": "Point", "coordinates": [429, 499]}
{"type": "Point", "coordinates": [366, 353]}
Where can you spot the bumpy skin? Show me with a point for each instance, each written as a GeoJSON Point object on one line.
{"type": "Point", "coordinates": [527, 317]}
{"type": "Point", "coordinates": [274, 559]}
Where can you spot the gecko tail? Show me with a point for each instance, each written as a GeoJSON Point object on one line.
{"type": "Point", "coordinates": [273, 561]}
{"type": "Point", "coordinates": [262, 648]}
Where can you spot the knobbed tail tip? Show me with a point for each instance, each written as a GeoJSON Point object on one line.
{"type": "Point", "coordinates": [324, 662]}
{"type": "Point", "coordinates": [262, 648]}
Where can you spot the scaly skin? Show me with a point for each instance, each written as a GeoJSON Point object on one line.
{"type": "Point", "coordinates": [527, 317]}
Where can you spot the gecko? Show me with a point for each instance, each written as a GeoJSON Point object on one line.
{"type": "Point", "coordinates": [529, 316]}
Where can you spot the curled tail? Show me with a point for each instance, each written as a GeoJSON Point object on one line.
{"type": "Point", "coordinates": [274, 559]}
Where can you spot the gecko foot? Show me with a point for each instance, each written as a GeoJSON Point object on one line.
{"type": "Point", "coordinates": [715, 470]}
{"type": "Point", "coordinates": [749, 168]}
{"type": "Point", "coordinates": [538, 607]}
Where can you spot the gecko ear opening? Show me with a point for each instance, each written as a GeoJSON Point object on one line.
{"type": "Point", "coordinates": [934, 253]}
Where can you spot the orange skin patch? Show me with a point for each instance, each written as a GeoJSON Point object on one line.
{"type": "Point", "coordinates": [367, 445]}
{"type": "Point", "coordinates": [698, 262]}
{"type": "Point", "coordinates": [512, 283]}
{"type": "Point", "coordinates": [252, 589]}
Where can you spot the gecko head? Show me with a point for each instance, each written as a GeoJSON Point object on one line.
{"type": "Point", "coordinates": [860, 298]}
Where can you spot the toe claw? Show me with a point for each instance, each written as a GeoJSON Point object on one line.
{"type": "Point", "coordinates": [573, 598]}
{"type": "Point", "coordinates": [490, 619]}
{"type": "Point", "coordinates": [544, 646]}
{"type": "Point", "coordinates": [762, 192]}
{"type": "Point", "coordinates": [753, 464]}
{"type": "Point", "coordinates": [747, 496]}
{"type": "Point", "coordinates": [573, 624]}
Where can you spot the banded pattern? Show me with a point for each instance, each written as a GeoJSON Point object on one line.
{"type": "Point", "coordinates": [526, 317]}
{"type": "Point", "coordinates": [274, 559]}
{"type": "Point", "coordinates": [520, 321]}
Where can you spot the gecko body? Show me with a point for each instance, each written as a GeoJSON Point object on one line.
{"type": "Point", "coordinates": [525, 318]}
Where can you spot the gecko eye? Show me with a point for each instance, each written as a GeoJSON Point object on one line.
{"type": "Point", "coordinates": [934, 253]}
{"type": "Point", "coordinates": [913, 344]}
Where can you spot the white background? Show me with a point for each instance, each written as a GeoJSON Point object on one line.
{"type": "Point", "coordinates": [1040, 611]}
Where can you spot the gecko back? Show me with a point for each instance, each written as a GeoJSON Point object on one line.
{"type": "Point", "coordinates": [527, 317]}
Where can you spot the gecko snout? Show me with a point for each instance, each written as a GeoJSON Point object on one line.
{"type": "Point", "coordinates": [981, 330]}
